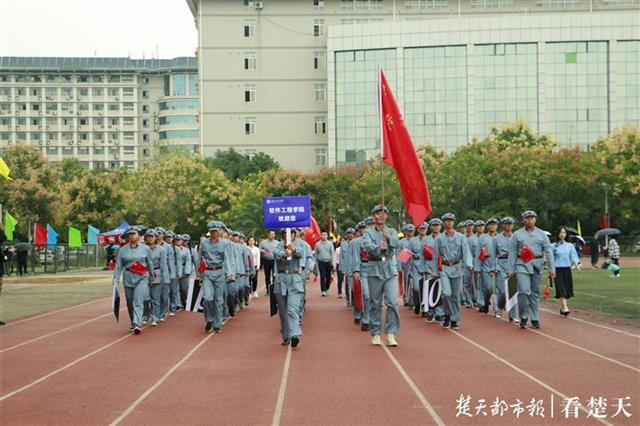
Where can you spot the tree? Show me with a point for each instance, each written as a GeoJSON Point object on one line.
{"type": "Point", "coordinates": [235, 165]}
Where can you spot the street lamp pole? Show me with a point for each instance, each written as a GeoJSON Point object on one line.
{"type": "Point", "coordinates": [606, 187]}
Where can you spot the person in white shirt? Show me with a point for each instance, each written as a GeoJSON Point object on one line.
{"type": "Point", "coordinates": [255, 251]}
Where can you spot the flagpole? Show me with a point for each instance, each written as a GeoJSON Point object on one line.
{"type": "Point", "coordinates": [381, 132]}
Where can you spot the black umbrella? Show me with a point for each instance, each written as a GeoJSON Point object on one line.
{"type": "Point", "coordinates": [607, 232]}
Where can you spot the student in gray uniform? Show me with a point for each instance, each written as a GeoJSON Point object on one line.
{"type": "Point", "coordinates": [468, 285]}
{"type": "Point", "coordinates": [532, 245]}
{"type": "Point", "coordinates": [487, 265]}
{"type": "Point", "coordinates": [160, 275]}
{"type": "Point", "coordinates": [504, 251]}
{"type": "Point", "coordinates": [407, 283]}
{"type": "Point", "coordinates": [360, 259]}
{"type": "Point", "coordinates": [234, 287]}
{"type": "Point", "coordinates": [134, 263]}
{"type": "Point", "coordinates": [289, 288]}
{"type": "Point", "coordinates": [345, 264]}
{"type": "Point", "coordinates": [461, 228]}
{"type": "Point", "coordinates": [381, 244]}
{"type": "Point", "coordinates": [453, 248]}
{"type": "Point", "coordinates": [174, 290]}
{"type": "Point", "coordinates": [417, 246]}
{"type": "Point", "coordinates": [474, 246]}
{"type": "Point", "coordinates": [433, 314]}
{"type": "Point", "coordinates": [217, 257]}
{"type": "Point", "coordinates": [164, 288]}
{"type": "Point", "coordinates": [308, 267]}
{"type": "Point", "coordinates": [181, 258]}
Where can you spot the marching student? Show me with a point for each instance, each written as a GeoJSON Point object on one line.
{"type": "Point", "coordinates": [453, 248]}
{"type": "Point", "coordinates": [487, 265]}
{"type": "Point", "coordinates": [182, 272]}
{"type": "Point", "coordinates": [504, 251]}
{"type": "Point", "coordinates": [345, 263]}
{"type": "Point", "coordinates": [381, 243]}
{"type": "Point", "coordinates": [173, 288]}
{"type": "Point", "coordinates": [532, 246]}
{"type": "Point", "coordinates": [433, 270]}
{"type": "Point", "coordinates": [419, 264]}
{"type": "Point", "coordinates": [135, 264]}
{"type": "Point", "coordinates": [160, 275]}
{"type": "Point", "coordinates": [467, 282]}
{"type": "Point", "coordinates": [407, 284]}
{"type": "Point", "coordinates": [360, 259]}
{"type": "Point", "coordinates": [474, 246]}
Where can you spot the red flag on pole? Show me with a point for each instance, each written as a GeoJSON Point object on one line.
{"type": "Point", "coordinates": [312, 234]}
{"type": "Point", "coordinates": [399, 153]}
{"type": "Point", "coordinates": [39, 236]}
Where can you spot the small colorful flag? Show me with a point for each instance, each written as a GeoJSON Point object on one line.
{"type": "Point", "coordinates": [75, 237]}
{"type": "Point", "coordinates": [52, 236]}
{"type": "Point", "coordinates": [39, 235]}
{"type": "Point", "coordinates": [92, 235]}
{"type": "Point", "coordinates": [404, 255]}
{"type": "Point", "coordinates": [4, 169]}
{"type": "Point", "coordinates": [10, 223]}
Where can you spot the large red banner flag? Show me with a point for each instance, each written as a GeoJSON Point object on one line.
{"type": "Point", "coordinates": [39, 235]}
{"type": "Point", "coordinates": [399, 153]}
{"type": "Point", "coordinates": [312, 234]}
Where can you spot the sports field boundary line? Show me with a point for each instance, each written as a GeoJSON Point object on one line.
{"type": "Point", "coordinates": [595, 324]}
{"type": "Point", "coordinates": [423, 399]}
{"type": "Point", "coordinates": [524, 373]}
{"type": "Point", "coordinates": [63, 368]}
{"type": "Point", "coordinates": [67, 308]}
{"type": "Point", "coordinates": [44, 336]}
{"type": "Point", "coordinates": [606, 297]}
{"type": "Point", "coordinates": [277, 414]}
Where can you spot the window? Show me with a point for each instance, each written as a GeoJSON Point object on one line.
{"type": "Point", "coordinates": [98, 107]}
{"type": "Point", "coordinates": [320, 125]}
{"type": "Point", "coordinates": [114, 107]}
{"type": "Point", "coordinates": [83, 91]}
{"type": "Point", "coordinates": [250, 126]}
{"type": "Point", "coordinates": [145, 108]}
{"type": "Point", "coordinates": [128, 135]}
{"type": "Point", "coordinates": [127, 77]}
{"type": "Point", "coordinates": [127, 91]}
{"type": "Point", "coordinates": [128, 149]}
{"type": "Point", "coordinates": [83, 78]}
{"type": "Point", "coordinates": [145, 122]}
{"type": "Point", "coordinates": [127, 106]}
{"type": "Point", "coordinates": [249, 153]}
{"type": "Point", "coordinates": [319, 60]}
{"type": "Point", "coordinates": [82, 121]}
{"type": "Point", "coordinates": [249, 61]}
{"type": "Point", "coordinates": [145, 94]}
{"type": "Point", "coordinates": [35, 91]}
{"type": "Point", "coordinates": [321, 157]}
{"type": "Point", "coordinates": [114, 121]}
{"type": "Point", "coordinates": [179, 84]}
{"type": "Point", "coordinates": [97, 91]}
{"type": "Point", "coordinates": [83, 150]}
{"type": "Point", "coordinates": [318, 4]}
{"type": "Point", "coordinates": [249, 93]}
{"type": "Point", "coordinates": [114, 91]}
{"type": "Point", "coordinates": [318, 27]}
{"type": "Point", "coordinates": [127, 121]}
{"type": "Point", "coordinates": [426, 4]}
{"type": "Point", "coordinates": [249, 28]}
{"type": "Point", "coordinates": [114, 79]}
{"type": "Point", "coordinates": [319, 90]}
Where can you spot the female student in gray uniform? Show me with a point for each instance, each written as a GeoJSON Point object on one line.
{"type": "Point", "coordinates": [135, 264]}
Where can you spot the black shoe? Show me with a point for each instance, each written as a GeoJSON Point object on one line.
{"type": "Point", "coordinates": [356, 321]}
{"type": "Point", "coordinates": [217, 330]}
{"type": "Point", "coordinates": [137, 330]}
{"type": "Point", "coordinates": [430, 317]}
{"type": "Point", "coordinates": [447, 322]}
{"type": "Point", "coordinates": [209, 327]}
{"type": "Point", "coordinates": [523, 323]}
{"type": "Point", "coordinates": [510, 319]}
{"type": "Point", "coordinates": [535, 324]}
{"type": "Point", "coordinates": [439, 318]}
{"type": "Point", "coordinates": [285, 342]}
{"type": "Point", "coordinates": [294, 341]}
{"type": "Point", "coordinates": [132, 327]}
{"type": "Point", "coordinates": [232, 313]}
{"type": "Point", "coordinates": [454, 325]}
{"type": "Point", "coordinates": [364, 327]}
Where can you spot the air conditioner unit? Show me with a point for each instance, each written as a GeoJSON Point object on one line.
{"type": "Point", "coordinates": [79, 113]}
{"type": "Point", "coordinates": [70, 142]}
{"type": "Point", "coordinates": [9, 97]}
{"type": "Point", "coordinates": [1, 112]}
{"type": "Point", "coordinates": [9, 142]}
{"type": "Point", "coordinates": [48, 127]}
{"type": "Point", "coordinates": [117, 98]}
{"type": "Point", "coordinates": [17, 98]}
{"type": "Point", "coordinates": [55, 113]}
{"type": "Point", "coordinates": [9, 127]}
{"type": "Point", "coordinates": [117, 142]}
{"type": "Point", "coordinates": [17, 127]}
{"type": "Point", "coordinates": [70, 127]}
{"type": "Point", "coordinates": [95, 142]}
{"type": "Point", "coordinates": [17, 112]}
{"type": "Point", "coordinates": [116, 156]}
{"type": "Point", "coordinates": [39, 112]}
{"type": "Point", "coordinates": [48, 142]}
{"type": "Point", "coordinates": [39, 127]}
{"type": "Point", "coordinates": [79, 142]}
{"type": "Point", "coordinates": [100, 113]}
{"type": "Point", "coordinates": [48, 97]}
{"type": "Point", "coordinates": [39, 142]}
{"type": "Point", "coordinates": [258, 5]}
{"type": "Point", "coordinates": [102, 127]}
{"type": "Point", "coordinates": [39, 98]}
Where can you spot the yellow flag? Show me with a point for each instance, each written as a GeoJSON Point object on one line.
{"type": "Point", "coordinates": [579, 230]}
{"type": "Point", "coordinates": [4, 169]}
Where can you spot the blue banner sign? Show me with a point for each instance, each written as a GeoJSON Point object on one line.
{"type": "Point", "coordinates": [287, 212]}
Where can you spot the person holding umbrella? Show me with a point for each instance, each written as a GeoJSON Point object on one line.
{"type": "Point", "coordinates": [564, 257]}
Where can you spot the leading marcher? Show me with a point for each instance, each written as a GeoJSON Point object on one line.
{"type": "Point", "coordinates": [381, 244]}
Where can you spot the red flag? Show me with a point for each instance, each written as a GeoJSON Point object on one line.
{"type": "Point", "coordinates": [202, 266]}
{"type": "Point", "coordinates": [39, 236]}
{"type": "Point", "coordinates": [484, 253]}
{"type": "Point", "coordinates": [427, 252]}
{"type": "Point", "coordinates": [138, 268]}
{"type": "Point", "coordinates": [399, 153]}
{"type": "Point", "coordinates": [404, 255]}
{"type": "Point", "coordinates": [312, 234]}
{"type": "Point", "coordinates": [526, 254]}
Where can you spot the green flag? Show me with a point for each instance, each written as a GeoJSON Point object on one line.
{"type": "Point", "coordinates": [10, 223]}
{"type": "Point", "coordinates": [75, 238]}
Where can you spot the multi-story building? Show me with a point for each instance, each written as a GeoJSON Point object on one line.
{"type": "Point", "coordinates": [296, 79]}
{"type": "Point", "coordinates": [106, 112]}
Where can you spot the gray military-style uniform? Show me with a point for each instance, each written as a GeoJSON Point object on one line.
{"type": "Point", "coordinates": [455, 257]}
{"type": "Point", "coordinates": [344, 264]}
{"type": "Point", "coordinates": [431, 272]}
{"type": "Point", "coordinates": [289, 288]}
{"type": "Point", "coordinates": [487, 267]}
{"type": "Point", "coordinates": [219, 259]}
{"type": "Point", "coordinates": [381, 274]}
{"type": "Point", "coordinates": [359, 264]}
{"type": "Point", "coordinates": [529, 274]}
{"type": "Point", "coordinates": [504, 251]}
{"type": "Point", "coordinates": [136, 287]}
{"type": "Point", "coordinates": [161, 279]}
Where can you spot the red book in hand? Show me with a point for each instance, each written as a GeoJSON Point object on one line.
{"type": "Point", "coordinates": [483, 254]}
{"type": "Point", "coordinates": [526, 254]}
{"type": "Point", "coordinates": [202, 266]}
{"type": "Point", "coordinates": [404, 255]}
{"type": "Point", "coordinates": [138, 268]}
{"type": "Point", "coordinates": [427, 252]}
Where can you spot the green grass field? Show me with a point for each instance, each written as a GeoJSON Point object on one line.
{"type": "Point", "coordinates": [20, 302]}
{"type": "Point", "coordinates": [615, 297]}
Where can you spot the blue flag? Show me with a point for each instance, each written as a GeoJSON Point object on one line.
{"type": "Point", "coordinates": [93, 233]}
{"type": "Point", "coordinates": [52, 236]}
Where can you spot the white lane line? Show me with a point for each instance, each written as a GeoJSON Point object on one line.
{"type": "Point", "coordinates": [606, 297]}
{"type": "Point", "coordinates": [157, 384]}
{"type": "Point", "coordinates": [56, 332]}
{"type": "Point", "coordinates": [524, 373]}
{"type": "Point", "coordinates": [414, 388]}
{"type": "Point", "coordinates": [277, 415]}
{"type": "Point", "coordinates": [12, 323]}
{"type": "Point", "coordinates": [61, 369]}
{"type": "Point", "coordinates": [595, 324]}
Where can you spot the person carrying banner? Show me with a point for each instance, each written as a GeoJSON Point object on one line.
{"type": "Point", "coordinates": [456, 256]}
{"type": "Point", "coordinates": [504, 251]}
{"type": "Point", "coordinates": [381, 244]}
{"type": "Point", "coordinates": [135, 265]}
{"type": "Point", "coordinates": [216, 264]}
{"type": "Point", "coordinates": [532, 246]}
{"type": "Point", "coordinates": [289, 288]}
{"type": "Point", "coordinates": [432, 269]}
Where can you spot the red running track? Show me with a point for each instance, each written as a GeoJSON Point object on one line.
{"type": "Point", "coordinates": [79, 367]}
